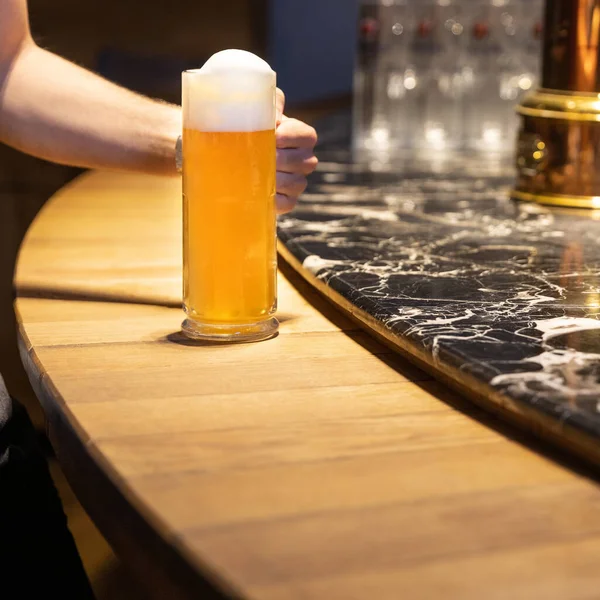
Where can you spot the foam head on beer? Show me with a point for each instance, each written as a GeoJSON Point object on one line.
{"type": "Point", "coordinates": [233, 91]}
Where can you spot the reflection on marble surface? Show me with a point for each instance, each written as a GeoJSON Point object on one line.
{"type": "Point", "coordinates": [435, 250]}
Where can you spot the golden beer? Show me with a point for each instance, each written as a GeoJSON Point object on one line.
{"type": "Point", "coordinates": [229, 240]}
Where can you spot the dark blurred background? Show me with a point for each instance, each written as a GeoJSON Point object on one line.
{"type": "Point", "coordinates": [144, 45]}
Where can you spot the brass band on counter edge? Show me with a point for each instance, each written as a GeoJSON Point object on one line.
{"type": "Point", "coordinates": [566, 106]}
{"type": "Point", "coordinates": [557, 199]}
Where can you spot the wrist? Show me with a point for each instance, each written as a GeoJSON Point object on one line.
{"type": "Point", "coordinates": [168, 134]}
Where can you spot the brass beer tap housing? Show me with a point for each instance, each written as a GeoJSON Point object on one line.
{"type": "Point", "coordinates": [558, 149]}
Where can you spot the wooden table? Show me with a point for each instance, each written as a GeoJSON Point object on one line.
{"type": "Point", "coordinates": [315, 465]}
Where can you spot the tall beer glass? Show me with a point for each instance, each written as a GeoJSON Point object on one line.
{"type": "Point", "coordinates": [229, 237]}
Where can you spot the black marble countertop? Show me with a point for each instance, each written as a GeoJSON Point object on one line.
{"type": "Point", "coordinates": [501, 297]}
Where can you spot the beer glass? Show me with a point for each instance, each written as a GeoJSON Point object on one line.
{"type": "Point", "coordinates": [229, 236]}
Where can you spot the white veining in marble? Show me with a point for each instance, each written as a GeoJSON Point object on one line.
{"type": "Point", "coordinates": [508, 293]}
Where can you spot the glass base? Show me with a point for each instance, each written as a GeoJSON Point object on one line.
{"type": "Point", "coordinates": [230, 333]}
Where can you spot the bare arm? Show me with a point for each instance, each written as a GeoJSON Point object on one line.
{"type": "Point", "coordinates": [56, 110]}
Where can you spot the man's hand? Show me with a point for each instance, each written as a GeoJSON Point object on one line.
{"type": "Point", "coordinates": [295, 157]}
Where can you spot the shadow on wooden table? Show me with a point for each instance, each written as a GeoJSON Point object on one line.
{"type": "Point", "coordinates": [109, 577]}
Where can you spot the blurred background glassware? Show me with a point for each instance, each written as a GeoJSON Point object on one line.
{"type": "Point", "coordinates": [498, 76]}
{"type": "Point", "coordinates": [441, 76]}
{"type": "Point", "coordinates": [380, 102]}
{"type": "Point", "coordinates": [438, 75]}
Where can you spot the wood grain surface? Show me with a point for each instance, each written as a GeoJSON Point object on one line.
{"type": "Point", "coordinates": [316, 465]}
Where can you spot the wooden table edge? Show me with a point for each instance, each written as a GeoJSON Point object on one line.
{"type": "Point", "coordinates": [173, 570]}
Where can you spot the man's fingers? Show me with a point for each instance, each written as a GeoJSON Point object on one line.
{"type": "Point", "coordinates": [292, 133]}
{"type": "Point", "coordinates": [295, 157]}
{"type": "Point", "coordinates": [284, 204]}
{"type": "Point", "coordinates": [279, 105]}
{"type": "Point", "coordinates": [290, 184]}
{"type": "Point", "coordinates": [296, 160]}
